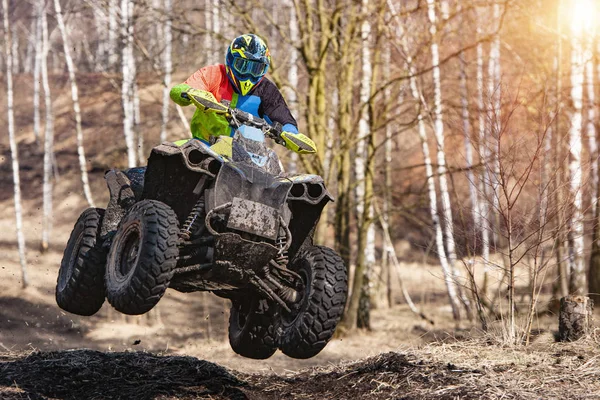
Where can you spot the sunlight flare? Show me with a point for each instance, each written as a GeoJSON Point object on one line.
{"type": "Point", "coordinates": [583, 17]}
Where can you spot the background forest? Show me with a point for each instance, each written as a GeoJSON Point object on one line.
{"type": "Point", "coordinates": [458, 134]}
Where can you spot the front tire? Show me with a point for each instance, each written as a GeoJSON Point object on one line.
{"type": "Point", "coordinates": [142, 257]}
{"type": "Point", "coordinates": [80, 285]}
{"type": "Point", "coordinates": [251, 331]}
{"type": "Point", "coordinates": [307, 329]}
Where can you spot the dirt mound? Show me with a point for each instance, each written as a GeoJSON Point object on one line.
{"type": "Point", "coordinates": [387, 376]}
{"type": "Point", "coordinates": [81, 374]}
{"type": "Point", "coordinates": [573, 372]}
{"type": "Point", "coordinates": [88, 374]}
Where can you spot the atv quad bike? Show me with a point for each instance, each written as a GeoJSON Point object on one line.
{"type": "Point", "coordinates": [230, 222]}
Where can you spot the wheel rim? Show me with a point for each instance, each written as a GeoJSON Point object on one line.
{"type": "Point", "coordinates": [129, 252]}
{"type": "Point", "coordinates": [74, 256]}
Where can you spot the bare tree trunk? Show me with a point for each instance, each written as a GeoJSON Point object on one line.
{"type": "Point", "coordinates": [594, 270]}
{"type": "Point", "coordinates": [113, 34]}
{"type": "Point", "coordinates": [494, 120]}
{"type": "Point", "coordinates": [13, 145]}
{"type": "Point", "coordinates": [464, 100]}
{"type": "Point", "coordinates": [208, 36]}
{"type": "Point", "coordinates": [594, 267]}
{"type": "Point", "coordinates": [562, 246]}
{"type": "Point", "coordinates": [127, 88]}
{"type": "Point", "coordinates": [291, 95]}
{"type": "Point", "coordinates": [168, 67]}
{"type": "Point", "coordinates": [484, 152]}
{"type": "Point", "coordinates": [39, 8]}
{"type": "Point", "coordinates": [364, 212]}
{"type": "Point", "coordinates": [30, 52]}
{"type": "Point", "coordinates": [216, 28]}
{"type": "Point", "coordinates": [15, 49]}
{"type": "Point", "coordinates": [48, 139]}
{"type": "Point", "coordinates": [76, 107]}
{"type": "Point", "coordinates": [137, 121]}
{"type": "Point", "coordinates": [439, 237]}
{"type": "Point", "coordinates": [99, 61]}
{"type": "Point", "coordinates": [441, 158]}
{"type": "Point", "coordinates": [388, 248]}
{"type": "Point", "coordinates": [577, 281]}
{"type": "Point", "coordinates": [591, 120]}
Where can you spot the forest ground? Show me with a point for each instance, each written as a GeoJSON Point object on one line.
{"type": "Point", "coordinates": [46, 353]}
{"type": "Point", "coordinates": [180, 349]}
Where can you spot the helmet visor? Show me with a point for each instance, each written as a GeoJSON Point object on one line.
{"type": "Point", "coordinates": [244, 66]}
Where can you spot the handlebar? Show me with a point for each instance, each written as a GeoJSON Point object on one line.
{"type": "Point", "coordinates": [237, 117]}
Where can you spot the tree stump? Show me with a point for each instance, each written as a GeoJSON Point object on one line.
{"type": "Point", "coordinates": [575, 318]}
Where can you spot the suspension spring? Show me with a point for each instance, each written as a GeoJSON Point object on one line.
{"type": "Point", "coordinates": [191, 222]}
{"type": "Point", "coordinates": [282, 255]}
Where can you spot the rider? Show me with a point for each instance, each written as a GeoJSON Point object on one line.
{"type": "Point", "coordinates": [241, 81]}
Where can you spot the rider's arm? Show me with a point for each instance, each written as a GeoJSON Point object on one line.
{"type": "Point", "coordinates": [206, 78]}
{"type": "Point", "coordinates": [274, 107]}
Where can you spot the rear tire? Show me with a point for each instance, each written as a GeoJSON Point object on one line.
{"type": "Point", "coordinates": [251, 331]}
{"type": "Point", "coordinates": [142, 257]}
{"type": "Point", "coordinates": [306, 331]}
{"type": "Point", "coordinates": [80, 284]}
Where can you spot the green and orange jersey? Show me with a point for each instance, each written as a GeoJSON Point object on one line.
{"type": "Point", "coordinates": [264, 101]}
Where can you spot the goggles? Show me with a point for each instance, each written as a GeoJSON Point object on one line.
{"type": "Point", "coordinates": [244, 66]}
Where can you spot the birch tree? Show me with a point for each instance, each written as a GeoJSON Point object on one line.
{"type": "Point", "coordinates": [386, 209]}
{"type": "Point", "coordinates": [464, 102]}
{"type": "Point", "coordinates": [594, 267]}
{"type": "Point", "coordinates": [168, 67]}
{"type": "Point", "coordinates": [494, 117]}
{"type": "Point", "coordinates": [75, 98]}
{"type": "Point", "coordinates": [208, 37]}
{"type": "Point", "coordinates": [590, 125]}
{"type": "Point", "coordinates": [483, 150]}
{"type": "Point", "coordinates": [14, 153]}
{"type": "Point", "coordinates": [216, 30]}
{"type": "Point", "coordinates": [113, 31]}
{"type": "Point", "coordinates": [577, 281]}
{"type": "Point", "coordinates": [357, 313]}
{"type": "Point", "coordinates": [441, 156]}
{"type": "Point", "coordinates": [292, 95]}
{"type": "Point", "coordinates": [39, 7]}
{"type": "Point", "coordinates": [15, 49]}
{"type": "Point", "coordinates": [48, 137]}
{"type": "Point", "coordinates": [127, 87]}
{"type": "Point", "coordinates": [345, 47]}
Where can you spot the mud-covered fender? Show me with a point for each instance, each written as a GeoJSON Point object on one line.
{"type": "Point", "coordinates": [121, 198]}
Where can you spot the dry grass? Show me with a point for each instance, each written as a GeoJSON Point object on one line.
{"type": "Point", "coordinates": [472, 369]}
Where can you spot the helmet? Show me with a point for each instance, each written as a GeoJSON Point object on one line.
{"type": "Point", "coordinates": [247, 61]}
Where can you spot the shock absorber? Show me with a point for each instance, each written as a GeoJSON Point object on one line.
{"type": "Point", "coordinates": [192, 220]}
{"type": "Point", "coordinates": [282, 254]}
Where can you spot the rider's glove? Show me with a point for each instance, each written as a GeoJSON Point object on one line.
{"type": "Point", "coordinates": [177, 94]}
{"type": "Point", "coordinates": [298, 143]}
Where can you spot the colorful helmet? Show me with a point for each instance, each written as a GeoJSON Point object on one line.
{"type": "Point", "coordinates": [247, 61]}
